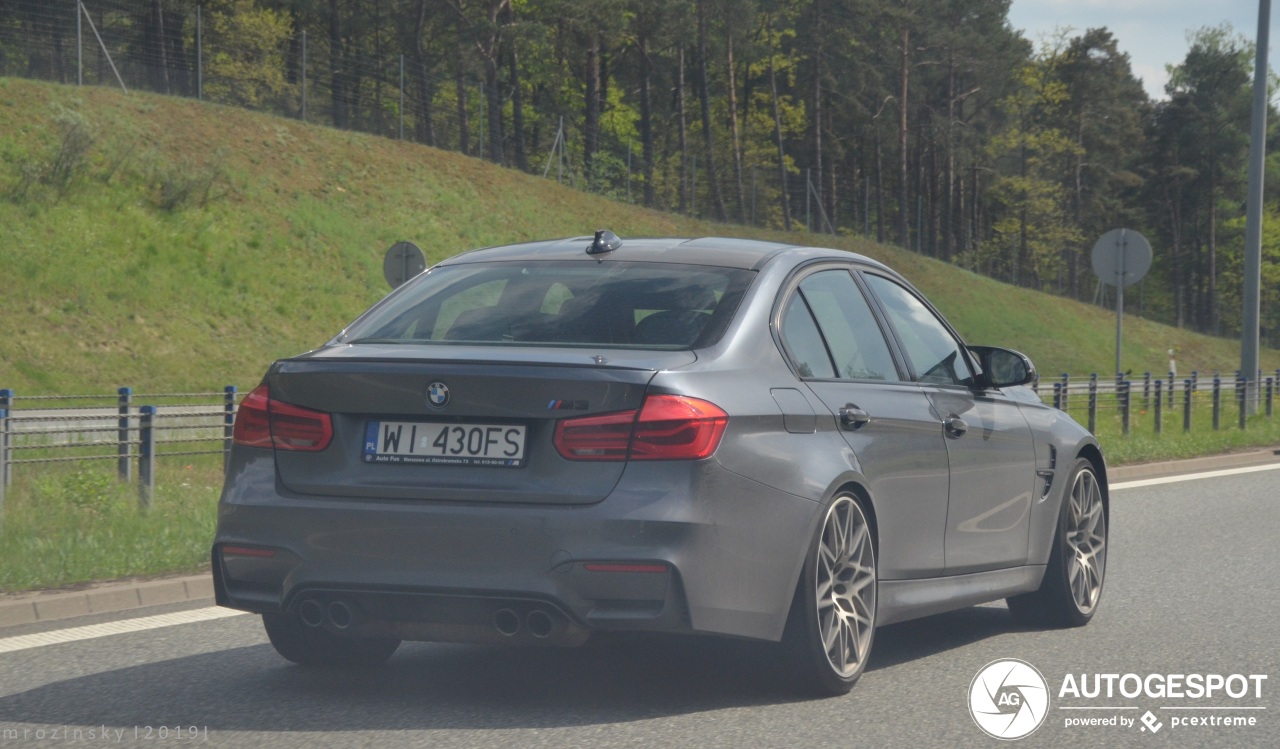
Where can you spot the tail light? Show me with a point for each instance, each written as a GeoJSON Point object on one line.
{"type": "Point", "coordinates": [253, 425]}
{"type": "Point", "coordinates": [672, 427]}
{"type": "Point", "coordinates": [263, 422]}
{"type": "Point", "coordinates": [668, 427]}
{"type": "Point", "coordinates": [595, 437]}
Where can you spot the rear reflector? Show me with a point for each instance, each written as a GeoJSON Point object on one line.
{"type": "Point", "coordinates": [668, 427]}
{"type": "Point", "coordinates": [617, 567]}
{"type": "Point", "coordinates": [263, 422]}
{"type": "Point", "coordinates": [248, 551]}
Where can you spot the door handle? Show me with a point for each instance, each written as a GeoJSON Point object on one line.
{"type": "Point", "coordinates": [955, 426]}
{"type": "Point", "coordinates": [852, 417]}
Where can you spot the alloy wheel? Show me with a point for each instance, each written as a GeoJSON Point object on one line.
{"type": "Point", "coordinates": [1086, 541]}
{"type": "Point", "coordinates": [846, 587]}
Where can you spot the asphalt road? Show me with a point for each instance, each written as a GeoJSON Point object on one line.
{"type": "Point", "coordinates": [1192, 586]}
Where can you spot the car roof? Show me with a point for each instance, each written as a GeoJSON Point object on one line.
{"type": "Point", "coordinates": [725, 252]}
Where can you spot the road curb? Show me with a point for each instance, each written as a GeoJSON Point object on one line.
{"type": "Point", "coordinates": [51, 605]}
{"type": "Point", "coordinates": [99, 598]}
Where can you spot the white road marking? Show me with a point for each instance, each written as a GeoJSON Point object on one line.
{"type": "Point", "coordinates": [92, 631]}
{"type": "Point", "coordinates": [1194, 476]}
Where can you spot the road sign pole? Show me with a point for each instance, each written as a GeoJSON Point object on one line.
{"type": "Point", "coordinates": [1121, 257]}
{"type": "Point", "coordinates": [1119, 282]}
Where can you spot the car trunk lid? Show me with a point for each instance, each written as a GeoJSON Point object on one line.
{"type": "Point", "coordinates": [458, 423]}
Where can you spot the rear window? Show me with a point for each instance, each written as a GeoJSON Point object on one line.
{"type": "Point", "coordinates": [628, 305]}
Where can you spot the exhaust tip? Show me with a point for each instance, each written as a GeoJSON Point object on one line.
{"type": "Point", "coordinates": [311, 613]}
{"type": "Point", "coordinates": [540, 623]}
{"type": "Point", "coordinates": [340, 614]}
{"type": "Point", "coordinates": [506, 622]}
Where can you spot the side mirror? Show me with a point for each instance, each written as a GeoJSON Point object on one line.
{"type": "Point", "coordinates": [1002, 367]}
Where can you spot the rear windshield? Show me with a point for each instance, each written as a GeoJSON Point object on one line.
{"type": "Point", "coordinates": [617, 304]}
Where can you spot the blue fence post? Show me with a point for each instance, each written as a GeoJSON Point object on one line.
{"type": "Point", "coordinates": [1160, 405]}
{"type": "Point", "coordinates": [228, 424]}
{"type": "Point", "coordinates": [1093, 403]}
{"type": "Point", "coordinates": [4, 456]}
{"type": "Point", "coordinates": [122, 433]}
{"type": "Point", "coordinates": [1125, 401]}
{"type": "Point", "coordinates": [1057, 395]}
{"type": "Point", "coordinates": [1066, 384]}
{"type": "Point", "coordinates": [146, 456]}
{"type": "Point", "coordinates": [1186, 405]}
{"type": "Point", "coordinates": [1242, 386]}
{"type": "Point", "coordinates": [1217, 402]}
{"type": "Point", "coordinates": [1146, 391]}
{"type": "Point", "coordinates": [6, 471]}
{"type": "Point", "coordinates": [1270, 390]}
{"type": "Point", "coordinates": [1173, 385]}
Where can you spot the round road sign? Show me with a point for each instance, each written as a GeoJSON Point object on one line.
{"type": "Point", "coordinates": [403, 261]}
{"type": "Point", "coordinates": [1122, 257]}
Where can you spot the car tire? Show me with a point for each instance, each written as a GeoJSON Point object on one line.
{"type": "Point", "coordinates": [1073, 580]}
{"type": "Point", "coordinates": [831, 626]}
{"type": "Point", "coordinates": [315, 647]}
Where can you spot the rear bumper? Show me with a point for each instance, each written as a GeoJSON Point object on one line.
{"type": "Point", "coordinates": [705, 551]}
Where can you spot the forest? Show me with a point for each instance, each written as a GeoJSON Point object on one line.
{"type": "Point", "coordinates": [930, 124]}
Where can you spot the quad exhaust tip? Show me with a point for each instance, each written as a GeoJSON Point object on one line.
{"type": "Point", "coordinates": [540, 624]}
{"type": "Point", "coordinates": [311, 612]}
{"type": "Point", "coordinates": [506, 622]}
{"type": "Point", "coordinates": [340, 615]}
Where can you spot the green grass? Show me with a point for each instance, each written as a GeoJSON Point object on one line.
{"type": "Point", "coordinates": [108, 283]}
{"type": "Point", "coordinates": [76, 523]}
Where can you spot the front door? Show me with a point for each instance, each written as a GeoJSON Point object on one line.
{"type": "Point", "coordinates": [988, 441]}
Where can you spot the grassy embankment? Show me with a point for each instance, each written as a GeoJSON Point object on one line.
{"type": "Point", "coordinates": [188, 245]}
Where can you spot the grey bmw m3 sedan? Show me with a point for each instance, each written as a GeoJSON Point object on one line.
{"type": "Point", "coordinates": [534, 443]}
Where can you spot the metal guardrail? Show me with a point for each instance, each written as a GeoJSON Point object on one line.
{"type": "Point", "coordinates": [141, 433]}
{"type": "Point", "coordinates": [138, 434]}
{"type": "Point", "coordinates": [1121, 395]}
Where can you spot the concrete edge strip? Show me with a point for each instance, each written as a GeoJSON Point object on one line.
{"type": "Point", "coordinates": [57, 637]}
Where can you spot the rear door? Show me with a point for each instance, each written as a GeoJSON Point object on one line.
{"type": "Point", "coordinates": [988, 441]}
{"type": "Point", "coordinates": [838, 349]}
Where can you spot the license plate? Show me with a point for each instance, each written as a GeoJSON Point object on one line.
{"type": "Point", "coordinates": [426, 443]}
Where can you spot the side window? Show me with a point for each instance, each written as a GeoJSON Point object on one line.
{"type": "Point", "coordinates": [934, 353]}
{"type": "Point", "coordinates": [801, 335]}
{"type": "Point", "coordinates": [853, 337]}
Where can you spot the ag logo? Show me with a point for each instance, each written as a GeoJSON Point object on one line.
{"type": "Point", "coordinates": [1008, 699]}
{"type": "Point", "coordinates": [437, 394]}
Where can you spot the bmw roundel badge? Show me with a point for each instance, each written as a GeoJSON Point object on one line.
{"type": "Point", "coordinates": [437, 394]}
